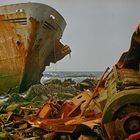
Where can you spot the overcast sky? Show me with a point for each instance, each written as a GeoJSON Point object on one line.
{"type": "Point", "coordinates": [98, 31]}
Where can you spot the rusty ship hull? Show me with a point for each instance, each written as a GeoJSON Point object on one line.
{"type": "Point", "coordinates": [30, 36]}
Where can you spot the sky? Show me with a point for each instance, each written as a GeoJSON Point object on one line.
{"type": "Point", "coordinates": [98, 31]}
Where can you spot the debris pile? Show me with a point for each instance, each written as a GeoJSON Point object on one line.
{"type": "Point", "coordinates": [50, 111]}
{"type": "Point", "coordinates": [107, 109]}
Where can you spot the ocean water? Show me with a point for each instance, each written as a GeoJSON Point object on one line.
{"type": "Point", "coordinates": [77, 76]}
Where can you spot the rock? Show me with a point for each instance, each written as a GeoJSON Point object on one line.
{"type": "Point", "coordinates": [12, 107]}
{"type": "Point", "coordinates": [65, 95]}
{"type": "Point", "coordinates": [50, 91]}
{"type": "Point", "coordinates": [3, 116]}
{"type": "Point", "coordinates": [68, 82]}
{"type": "Point", "coordinates": [53, 81]}
{"type": "Point", "coordinates": [14, 98]}
{"type": "Point", "coordinates": [5, 136]}
{"type": "Point", "coordinates": [87, 84]}
{"type": "Point", "coordinates": [33, 91]}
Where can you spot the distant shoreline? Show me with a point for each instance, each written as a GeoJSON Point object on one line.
{"type": "Point", "coordinates": [76, 76]}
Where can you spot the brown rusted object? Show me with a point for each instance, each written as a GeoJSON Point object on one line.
{"type": "Point", "coordinates": [68, 109]}
{"type": "Point", "coordinates": [121, 113]}
{"type": "Point", "coordinates": [135, 136]}
{"type": "Point", "coordinates": [49, 135]}
{"type": "Point", "coordinates": [29, 41]}
{"type": "Point", "coordinates": [65, 119]}
{"type": "Point", "coordinates": [131, 58]}
{"type": "Point", "coordinates": [45, 111]}
{"type": "Point", "coordinates": [94, 92]}
{"type": "Point", "coordinates": [69, 124]}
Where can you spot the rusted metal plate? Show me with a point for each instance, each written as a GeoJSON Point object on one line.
{"type": "Point", "coordinates": [68, 124]}
{"type": "Point", "coordinates": [82, 98]}
{"type": "Point", "coordinates": [66, 119]}
{"type": "Point", "coordinates": [135, 136]}
{"type": "Point", "coordinates": [67, 109]}
{"type": "Point", "coordinates": [45, 111]}
{"type": "Point", "coordinates": [131, 58]}
{"type": "Point", "coordinates": [12, 54]}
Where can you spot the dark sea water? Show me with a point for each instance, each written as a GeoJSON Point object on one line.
{"type": "Point", "coordinates": [77, 76]}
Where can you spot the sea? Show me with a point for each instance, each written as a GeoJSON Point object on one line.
{"type": "Point", "coordinates": [77, 76]}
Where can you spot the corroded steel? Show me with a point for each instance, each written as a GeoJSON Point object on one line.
{"type": "Point", "coordinates": [131, 58]}
{"type": "Point", "coordinates": [29, 41]}
{"type": "Point", "coordinates": [121, 114]}
{"type": "Point", "coordinates": [64, 117]}
{"type": "Point", "coordinates": [112, 109]}
{"type": "Point", "coordinates": [94, 92]}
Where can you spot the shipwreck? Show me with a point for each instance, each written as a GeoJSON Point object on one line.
{"type": "Point", "coordinates": [29, 40]}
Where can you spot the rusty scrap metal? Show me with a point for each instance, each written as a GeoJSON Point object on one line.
{"type": "Point", "coordinates": [135, 136]}
{"type": "Point", "coordinates": [94, 92]}
{"type": "Point", "coordinates": [121, 113]}
{"type": "Point", "coordinates": [115, 116]}
{"type": "Point", "coordinates": [131, 58]}
{"type": "Point", "coordinates": [65, 119]}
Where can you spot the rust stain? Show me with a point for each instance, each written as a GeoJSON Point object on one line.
{"type": "Point", "coordinates": [27, 45]}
